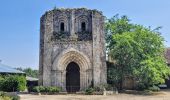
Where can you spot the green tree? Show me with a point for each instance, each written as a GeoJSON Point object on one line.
{"type": "Point", "coordinates": [29, 72]}
{"type": "Point", "coordinates": [10, 83]}
{"type": "Point", "coordinates": [116, 25]}
{"type": "Point", "coordinates": [137, 51]}
{"type": "Point", "coordinates": [113, 26]}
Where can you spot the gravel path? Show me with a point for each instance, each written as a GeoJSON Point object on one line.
{"type": "Point", "coordinates": [164, 95]}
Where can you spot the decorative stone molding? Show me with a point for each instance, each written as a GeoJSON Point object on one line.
{"type": "Point", "coordinates": [72, 55]}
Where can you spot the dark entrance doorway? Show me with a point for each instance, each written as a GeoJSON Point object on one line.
{"type": "Point", "coordinates": [72, 77]}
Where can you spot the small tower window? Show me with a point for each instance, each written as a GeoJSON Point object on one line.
{"type": "Point", "coordinates": [83, 26]}
{"type": "Point", "coordinates": [62, 26]}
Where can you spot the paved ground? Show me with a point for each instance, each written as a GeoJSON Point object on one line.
{"type": "Point", "coordinates": [163, 95]}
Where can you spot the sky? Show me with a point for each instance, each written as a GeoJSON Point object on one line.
{"type": "Point", "coordinates": [20, 23]}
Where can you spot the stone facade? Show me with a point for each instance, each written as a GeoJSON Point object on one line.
{"type": "Point", "coordinates": [72, 35]}
{"type": "Point", "coordinates": [167, 55]}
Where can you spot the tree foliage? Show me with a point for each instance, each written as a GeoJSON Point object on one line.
{"type": "Point", "coordinates": [116, 25]}
{"type": "Point", "coordinates": [11, 83]}
{"type": "Point", "coordinates": [137, 51]}
{"type": "Point", "coordinates": [29, 72]}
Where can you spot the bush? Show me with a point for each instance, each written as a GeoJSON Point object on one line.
{"type": "Point", "coordinates": [35, 89]}
{"type": "Point", "coordinates": [12, 83]}
{"type": "Point", "coordinates": [103, 87]}
{"type": "Point", "coordinates": [46, 89]}
{"type": "Point", "coordinates": [141, 87]}
{"type": "Point", "coordinates": [53, 89]}
{"type": "Point", "coordinates": [108, 87]}
{"type": "Point", "coordinates": [89, 91]}
{"type": "Point", "coordinates": [98, 89]}
{"type": "Point", "coordinates": [154, 88]}
{"type": "Point", "coordinates": [15, 97]}
{"type": "Point", "coordinates": [42, 89]}
{"type": "Point", "coordinates": [4, 96]}
{"type": "Point", "coordinates": [21, 80]}
{"type": "Point", "coordinates": [1, 82]}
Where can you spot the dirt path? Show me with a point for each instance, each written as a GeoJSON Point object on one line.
{"type": "Point", "coordinates": [165, 95]}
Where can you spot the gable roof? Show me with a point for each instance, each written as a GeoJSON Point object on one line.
{"type": "Point", "coordinates": [167, 55]}
{"type": "Point", "coordinates": [8, 69]}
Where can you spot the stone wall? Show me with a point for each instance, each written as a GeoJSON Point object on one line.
{"type": "Point", "coordinates": [85, 47]}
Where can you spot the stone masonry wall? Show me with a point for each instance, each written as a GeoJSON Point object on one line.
{"type": "Point", "coordinates": [56, 46]}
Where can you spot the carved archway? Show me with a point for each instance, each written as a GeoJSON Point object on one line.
{"type": "Point", "coordinates": [60, 66]}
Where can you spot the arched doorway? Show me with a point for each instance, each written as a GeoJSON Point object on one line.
{"type": "Point", "coordinates": [72, 77]}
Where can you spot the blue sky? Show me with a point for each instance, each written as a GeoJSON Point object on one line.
{"type": "Point", "coordinates": [20, 19]}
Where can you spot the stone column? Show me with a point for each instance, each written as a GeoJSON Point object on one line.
{"type": "Point", "coordinates": [72, 23]}
{"type": "Point", "coordinates": [73, 36]}
{"type": "Point", "coordinates": [81, 80]}
{"type": "Point", "coordinates": [63, 81]}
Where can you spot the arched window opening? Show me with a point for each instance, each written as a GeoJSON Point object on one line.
{"type": "Point", "coordinates": [83, 26]}
{"type": "Point", "coordinates": [62, 26]}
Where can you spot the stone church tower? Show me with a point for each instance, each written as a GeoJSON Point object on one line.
{"type": "Point", "coordinates": [72, 49]}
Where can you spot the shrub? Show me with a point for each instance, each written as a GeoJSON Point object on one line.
{"type": "Point", "coordinates": [46, 89]}
{"type": "Point", "coordinates": [89, 91]}
{"type": "Point", "coordinates": [154, 88]}
{"type": "Point", "coordinates": [108, 87]}
{"type": "Point", "coordinates": [42, 89]}
{"type": "Point", "coordinates": [53, 89]}
{"type": "Point", "coordinates": [12, 83]}
{"type": "Point", "coordinates": [103, 87]}
{"type": "Point", "coordinates": [35, 89]}
{"type": "Point", "coordinates": [1, 82]}
{"type": "Point", "coordinates": [15, 97]}
{"type": "Point", "coordinates": [98, 89]}
{"type": "Point", "coordinates": [141, 86]}
{"type": "Point", "coordinates": [4, 96]}
{"type": "Point", "coordinates": [21, 80]}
